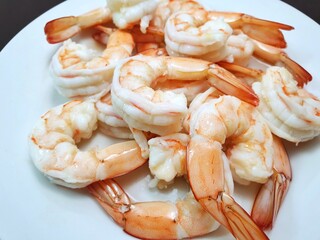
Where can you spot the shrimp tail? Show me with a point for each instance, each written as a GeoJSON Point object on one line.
{"type": "Point", "coordinates": [270, 36]}
{"type": "Point", "coordinates": [271, 195]}
{"type": "Point", "coordinates": [265, 31]}
{"type": "Point", "coordinates": [61, 29]}
{"type": "Point", "coordinates": [275, 56]}
{"type": "Point", "coordinates": [112, 199]}
{"type": "Point", "coordinates": [229, 84]}
{"type": "Point", "coordinates": [205, 164]}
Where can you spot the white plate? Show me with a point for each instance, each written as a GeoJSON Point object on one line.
{"type": "Point", "coordinates": [33, 208]}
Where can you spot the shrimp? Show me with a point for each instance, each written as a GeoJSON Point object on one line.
{"type": "Point", "coordinates": [54, 152]}
{"type": "Point", "coordinates": [193, 34]}
{"type": "Point", "coordinates": [79, 72]}
{"type": "Point", "coordinates": [226, 122]}
{"type": "Point", "coordinates": [160, 112]}
{"type": "Point", "coordinates": [125, 14]}
{"type": "Point", "coordinates": [271, 195]}
{"type": "Point", "coordinates": [111, 123]}
{"type": "Point", "coordinates": [153, 220]}
{"type": "Point", "coordinates": [291, 112]}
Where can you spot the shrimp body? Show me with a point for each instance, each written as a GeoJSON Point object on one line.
{"type": "Point", "coordinates": [162, 112]}
{"type": "Point", "coordinates": [110, 123]}
{"type": "Point", "coordinates": [54, 152]}
{"type": "Point", "coordinates": [227, 122]}
{"type": "Point", "coordinates": [126, 14]}
{"type": "Point", "coordinates": [153, 220]}
{"type": "Point", "coordinates": [79, 72]}
{"type": "Point", "coordinates": [291, 112]}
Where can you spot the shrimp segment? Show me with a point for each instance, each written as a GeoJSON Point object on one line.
{"type": "Point", "coordinates": [111, 123]}
{"type": "Point", "coordinates": [271, 195]}
{"type": "Point", "coordinates": [79, 72]}
{"type": "Point", "coordinates": [153, 220]}
{"type": "Point", "coordinates": [160, 112]}
{"type": "Point", "coordinates": [226, 122]}
{"type": "Point", "coordinates": [54, 152]}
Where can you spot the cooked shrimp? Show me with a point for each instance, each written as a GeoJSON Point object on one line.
{"type": "Point", "coordinates": [111, 123]}
{"type": "Point", "coordinates": [54, 152]}
{"type": "Point", "coordinates": [160, 112]}
{"type": "Point", "coordinates": [291, 112]}
{"type": "Point", "coordinates": [80, 72]}
{"type": "Point", "coordinates": [227, 121]}
{"type": "Point", "coordinates": [271, 195]}
{"type": "Point", "coordinates": [193, 34]}
{"type": "Point", "coordinates": [124, 14]}
{"type": "Point", "coordinates": [153, 220]}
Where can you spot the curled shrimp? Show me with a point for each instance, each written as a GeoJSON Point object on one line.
{"type": "Point", "coordinates": [291, 112]}
{"type": "Point", "coordinates": [227, 121]}
{"type": "Point", "coordinates": [153, 220]}
{"type": "Point", "coordinates": [160, 112]}
{"type": "Point", "coordinates": [79, 72]}
{"type": "Point", "coordinates": [125, 14]}
{"type": "Point", "coordinates": [54, 151]}
{"type": "Point", "coordinates": [194, 34]}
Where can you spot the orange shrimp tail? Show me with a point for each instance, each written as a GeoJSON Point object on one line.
{"type": "Point", "coordinates": [271, 195]}
{"type": "Point", "coordinates": [61, 29]}
{"type": "Point", "coordinates": [264, 34]}
{"type": "Point", "coordinates": [205, 173]}
{"type": "Point", "coordinates": [275, 56]}
{"type": "Point", "coordinates": [229, 84]}
{"type": "Point", "coordinates": [299, 73]}
{"type": "Point", "coordinates": [111, 197]}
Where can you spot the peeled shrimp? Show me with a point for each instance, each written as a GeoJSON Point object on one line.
{"type": "Point", "coordinates": [153, 220]}
{"type": "Point", "coordinates": [54, 152]}
{"type": "Point", "coordinates": [160, 112]}
{"type": "Point", "coordinates": [230, 122]}
{"type": "Point", "coordinates": [193, 34]}
{"type": "Point", "coordinates": [80, 72]}
{"type": "Point", "coordinates": [291, 112]}
{"type": "Point", "coordinates": [125, 14]}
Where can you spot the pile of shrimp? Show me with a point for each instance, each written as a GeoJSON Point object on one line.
{"type": "Point", "coordinates": [174, 82]}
